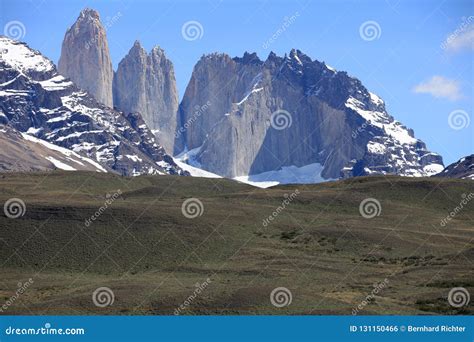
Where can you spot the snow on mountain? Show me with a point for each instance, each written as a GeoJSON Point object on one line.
{"type": "Point", "coordinates": [329, 118]}
{"type": "Point", "coordinates": [286, 175]}
{"type": "Point", "coordinates": [463, 168]}
{"type": "Point", "coordinates": [36, 100]}
{"type": "Point", "coordinates": [23, 152]}
{"type": "Point", "coordinates": [394, 144]}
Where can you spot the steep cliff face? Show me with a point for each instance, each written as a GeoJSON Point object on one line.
{"type": "Point", "coordinates": [49, 110]}
{"type": "Point", "coordinates": [85, 57]}
{"type": "Point", "coordinates": [145, 83]}
{"type": "Point", "coordinates": [261, 116]}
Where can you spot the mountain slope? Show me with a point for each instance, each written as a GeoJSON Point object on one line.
{"type": "Point", "coordinates": [463, 168]}
{"type": "Point", "coordinates": [35, 99]}
{"type": "Point", "coordinates": [23, 152]}
{"type": "Point", "coordinates": [292, 112]}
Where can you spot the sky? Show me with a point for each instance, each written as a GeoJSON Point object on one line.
{"type": "Point", "coordinates": [416, 55]}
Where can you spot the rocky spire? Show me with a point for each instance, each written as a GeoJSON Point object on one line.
{"type": "Point", "coordinates": [146, 83]}
{"type": "Point", "coordinates": [85, 57]}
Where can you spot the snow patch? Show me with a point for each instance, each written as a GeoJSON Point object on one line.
{"type": "Point", "coordinates": [60, 165]}
{"type": "Point", "coordinates": [194, 171]}
{"type": "Point", "coordinates": [56, 83]}
{"type": "Point", "coordinates": [64, 151]}
{"type": "Point", "coordinates": [307, 174]}
{"type": "Point", "coordinates": [22, 58]}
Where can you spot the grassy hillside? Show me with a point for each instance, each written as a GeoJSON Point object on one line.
{"type": "Point", "coordinates": [319, 246]}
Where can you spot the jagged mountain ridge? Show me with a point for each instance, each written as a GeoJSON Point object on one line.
{"type": "Point", "coordinates": [36, 100]}
{"type": "Point", "coordinates": [463, 168]}
{"type": "Point", "coordinates": [145, 83]}
{"type": "Point", "coordinates": [338, 128]}
{"type": "Point", "coordinates": [335, 121]}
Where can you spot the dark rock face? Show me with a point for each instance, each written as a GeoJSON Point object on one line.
{"type": "Point", "coordinates": [85, 57]}
{"type": "Point", "coordinates": [145, 83]}
{"type": "Point", "coordinates": [264, 115]}
{"type": "Point", "coordinates": [463, 168]}
{"type": "Point", "coordinates": [36, 100]}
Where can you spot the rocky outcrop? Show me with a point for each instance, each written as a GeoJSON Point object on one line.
{"type": "Point", "coordinates": [49, 109]}
{"type": "Point", "coordinates": [463, 168]}
{"type": "Point", "coordinates": [21, 152]}
{"type": "Point", "coordinates": [145, 83]}
{"type": "Point", "coordinates": [85, 57]}
{"type": "Point", "coordinates": [261, 116]}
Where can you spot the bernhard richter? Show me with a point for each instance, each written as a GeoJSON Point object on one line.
{"type": "Point", "coordinates": [437, 328]}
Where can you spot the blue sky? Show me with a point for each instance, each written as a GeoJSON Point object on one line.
{"type": "Point", "coordinates": [408, 62]}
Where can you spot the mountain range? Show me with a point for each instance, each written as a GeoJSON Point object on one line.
{"type": "Point", "coordinates": [286, 119]}
{"type": "Point", "coordinates": [40, 106]}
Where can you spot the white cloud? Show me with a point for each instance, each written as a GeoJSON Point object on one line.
{"type": "Point", "coordinates": [462, 38]}
{"type": "Point", "coordinates": [440, 87]}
